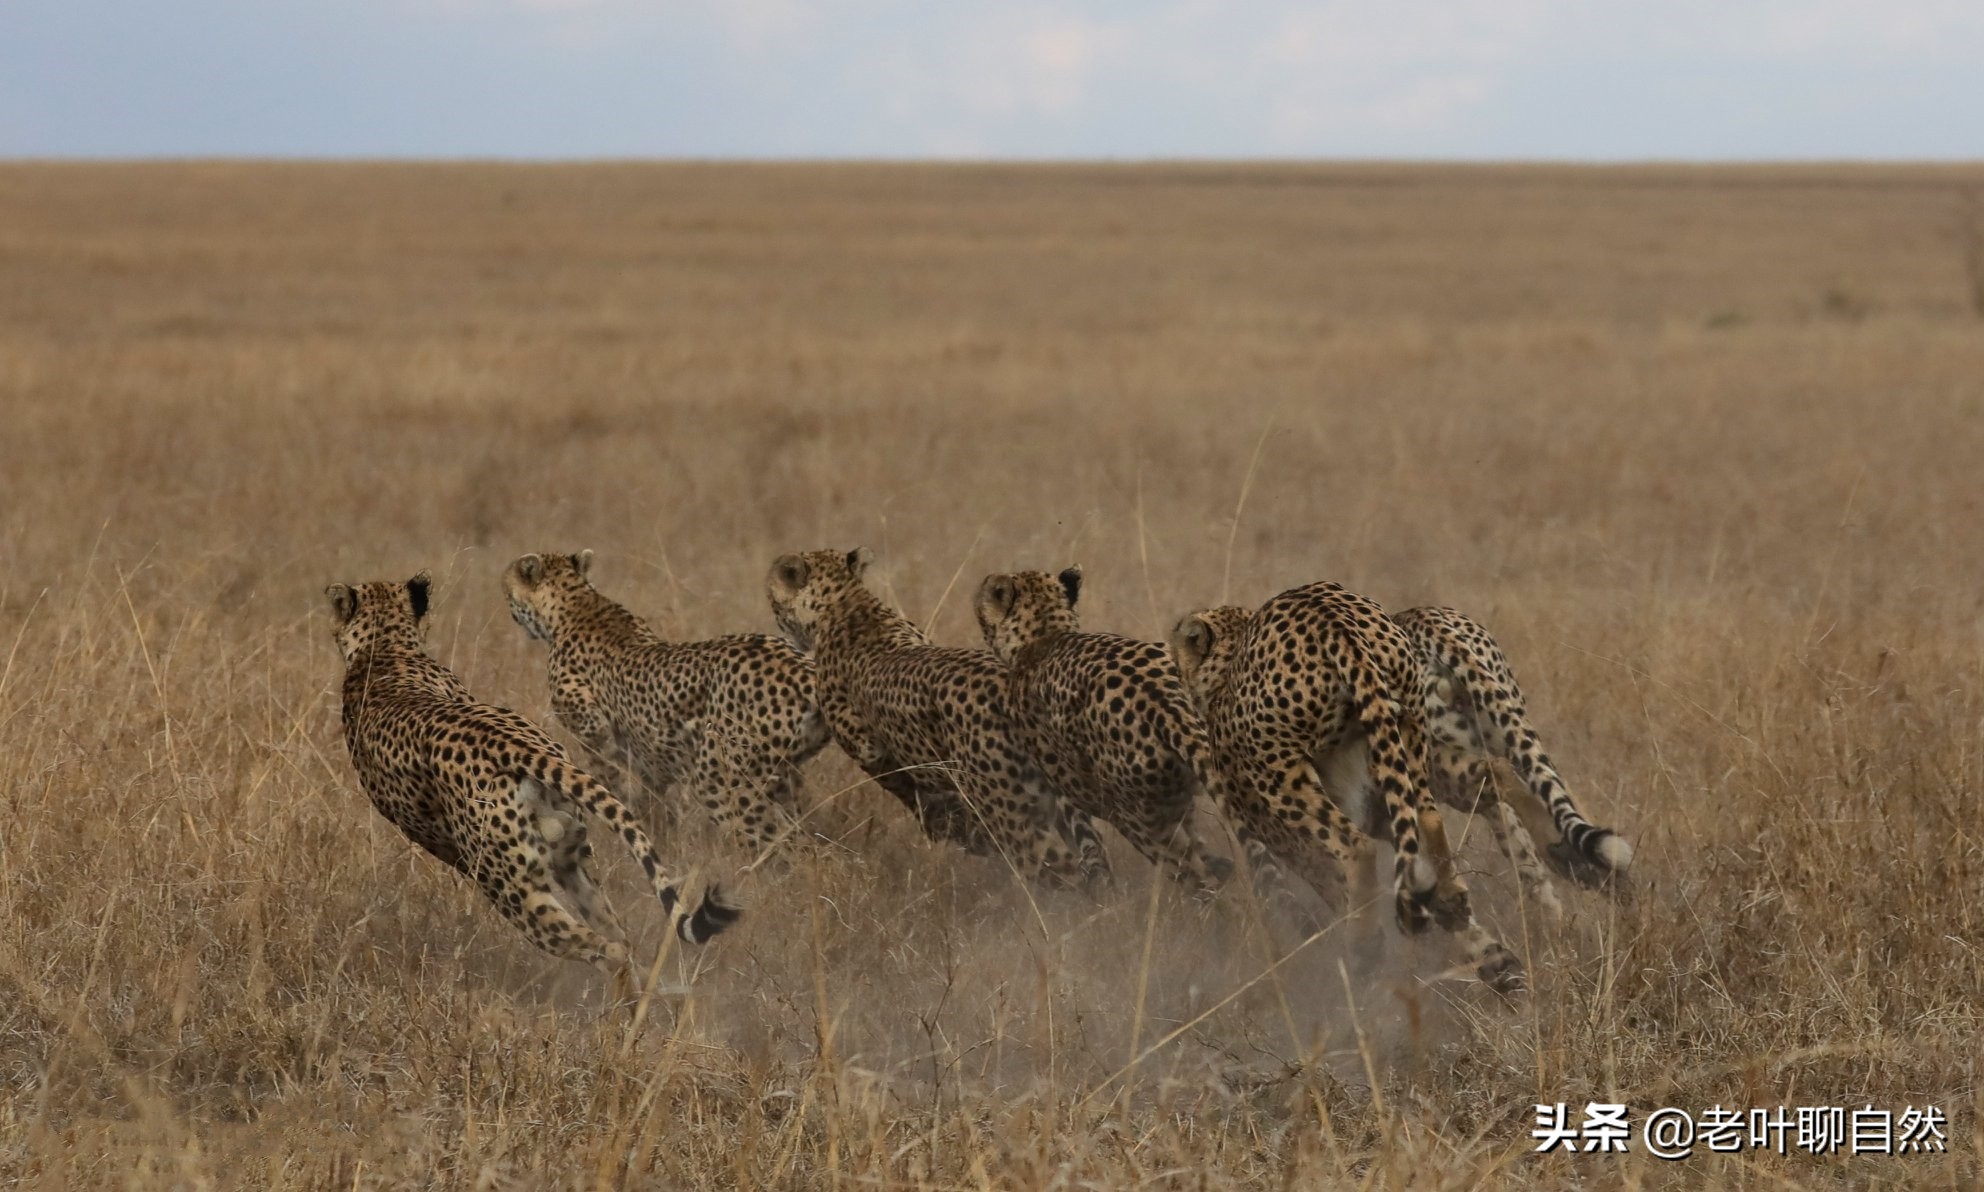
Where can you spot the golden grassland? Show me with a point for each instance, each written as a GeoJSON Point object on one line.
{"type": "Point", "coordinates": [1701, 446]}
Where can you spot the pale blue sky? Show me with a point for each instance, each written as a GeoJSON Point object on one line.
{"type": "Point", "coordinates": [1576, 79]}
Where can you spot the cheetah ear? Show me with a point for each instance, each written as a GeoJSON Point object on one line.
{"type": "Point", "coordinates": [790, 572]}
{"type": "Point", "coordinates": [416, 590]}
{"type": "Point", "coordinates": [583, 562]}
{"type": "Point", "coordinates": [344, 602]}
{"type": "Point", "coordinates": [530, 569]}
{"type": "Point", "coordinates": [858, 560]}
{"type": "Point", "coordinates": [995, 599]}
{"type": "Point", "coordinates": [1191, 639]}
{"type": "Point", "coordinates": [1071, 583]}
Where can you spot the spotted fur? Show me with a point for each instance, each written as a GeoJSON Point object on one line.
{"type": "Point", "coordinates": [1312, 702]}
{"type": "Point", "coordinates": [928, 723]}
{"type": "Point", "coordinates": [483, 790]}
{"type": "Point", "coordinates": [1475, 711]}
{"type": "Point", "coordinates": [1106, 717]}
{"type": "Point", "coordinates": [731, 719]}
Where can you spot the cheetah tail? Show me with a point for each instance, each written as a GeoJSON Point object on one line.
{"type": "Point", "coordinates": [1589, 853]}
{"type": "Point", "coordinates": [1592, 852]}
{"type": "Point", "coordinates": [709, 917]}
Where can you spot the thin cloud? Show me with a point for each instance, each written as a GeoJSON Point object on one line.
{"type": "Point", "coordinates": [1532, 78]}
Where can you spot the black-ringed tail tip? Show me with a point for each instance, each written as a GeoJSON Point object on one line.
{"type": "Point", "coordinates": [1594, 858]}
{"type": "Point", "coordinates": [1615, 852]}
{"type": "Point", "coordinates": [709, 919]}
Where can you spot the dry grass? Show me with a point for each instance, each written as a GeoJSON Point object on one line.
{"type": "Point", "coordinates": [1700, 445]}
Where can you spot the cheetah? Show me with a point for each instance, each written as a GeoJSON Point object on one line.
{"type": "Point", "coordinates": [1303, 702]}
{"type": "Point", "coordinates": [734, 718]}
{"type": "Point", "coordinates": [1474, 712]}
{"type": "Point", "coordinates": [1106, 718]}
{"type": "Point", "coordinates": [484, 791]}
{"type": "Point", "coordinates": [928, 723]}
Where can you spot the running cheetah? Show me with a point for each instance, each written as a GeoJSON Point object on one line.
{"type": "Point", "coordinates": [928, 723]}
{"type": "Point", "coordinates": [1106, 717]}
{"type": "Point", "coordinates": [1312, 701]}
{"type": "Point", "coordinates": [484, 791]}
{"type": "Point", "coordinates": [733, 718]}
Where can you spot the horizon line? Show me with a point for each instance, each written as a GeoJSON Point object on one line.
{"type": "Point", "coordinates": [991, 160]}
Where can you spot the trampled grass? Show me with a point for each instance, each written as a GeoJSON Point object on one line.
{"type": "Point", "coordinates": [1700, 446]}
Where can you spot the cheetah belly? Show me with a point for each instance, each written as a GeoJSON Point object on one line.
{"type": "Point", "coordinates": [1346, 774]}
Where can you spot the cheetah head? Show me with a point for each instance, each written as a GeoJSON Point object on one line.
{"type": "Point", "coordinates": [802, 586]}
{"type": "Point", "coordinates": [1025, 606]}
{"type": "Point", "coordinates": [1204, 643]}
{"type": "Point", "coordinates": [537, 585]}
{"type": "Point", "coordinates": [379, 612]}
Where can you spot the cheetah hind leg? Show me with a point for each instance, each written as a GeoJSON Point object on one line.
{"type": "Point", "coordinates": [940, 808]}
{"type": "Point", "coordinates": [1358, 927]}
{"type": "Point", "coordinates": [1323, 848]}
{"type": "Point", "coordinates": [1057, 844]}
{"type": "Point", "coordinates": [743, 800]}
{"type": "Point", "coordinates": [567, 855]}
{"type": "Point", "coordinates": [770, 822]}
{"type": "Point", "coordinates": [1322, 818]}
{"type": "Point", "coordinates": [1269, 879]}
{"type": "Point", "coordinates": [1468, 783]}
{"type": "Point", "coordinates": [1490, 959]}
{"type": "Point", "coordinates": [1179, 851]}
{"type": "Point", "coordinates": [1513, 838]}
{"type": "Point", "coordinates": [542, 915]}
{"type": "Point", "coordinates": [1567, 860]}
{"type": "Point", "coordinates": [1066, 852]}
{"type": "Point", "coordinates": [1091, 862]}
{"type": "Point", "coordinates": [570, 861]}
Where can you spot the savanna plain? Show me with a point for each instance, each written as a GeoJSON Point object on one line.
{"type": "Point", "coordinates": [1700, 446]}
